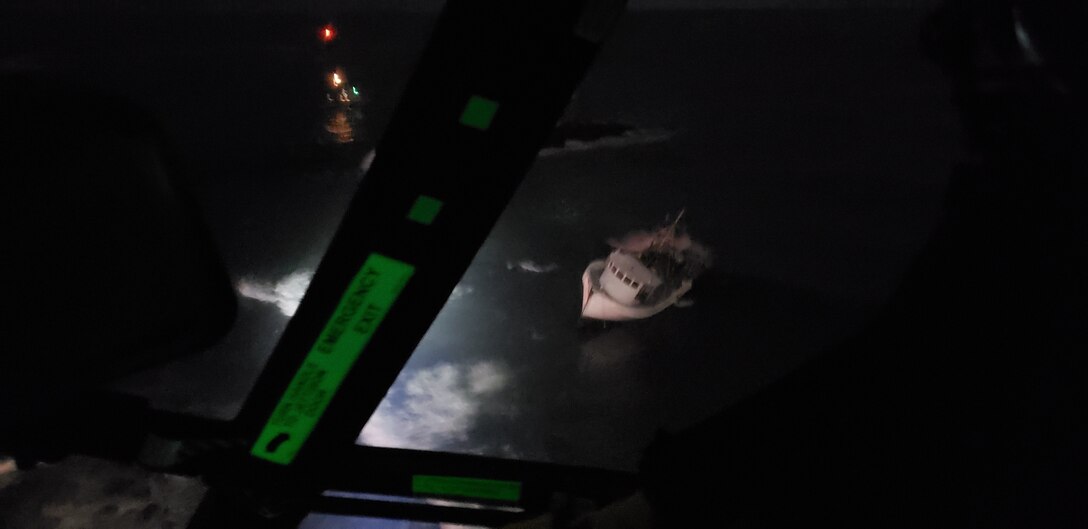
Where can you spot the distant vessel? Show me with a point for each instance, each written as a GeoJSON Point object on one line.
{"type": "Point", "coordinates": [645, 274]}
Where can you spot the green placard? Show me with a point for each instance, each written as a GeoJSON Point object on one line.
{"type": "Point", "coordinates": [361, 310]}
{"type": "Point", "coordinates": [478, 112]}
{"type": "Point", "coordinates": [481, 489]}
{"type": "Point", "coordinates": [425, 209]}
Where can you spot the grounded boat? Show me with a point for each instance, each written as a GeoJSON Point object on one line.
{"type": "Point", "coordinates": [645, 274]}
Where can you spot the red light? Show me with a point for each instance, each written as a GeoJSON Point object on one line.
{"type": "Point", "coordinates": [328, 33]}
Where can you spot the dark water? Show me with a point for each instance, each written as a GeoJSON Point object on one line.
{"type": "Point", "coordinates": [809, 150]}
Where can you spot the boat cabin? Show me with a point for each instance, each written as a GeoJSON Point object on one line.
{"type": "Point", "coordinates": [625, 277]}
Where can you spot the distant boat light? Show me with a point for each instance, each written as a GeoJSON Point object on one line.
{"type": "Point", "coordinates": [328, 33]}
{"type": "Point", "coordinates": [336, 79]}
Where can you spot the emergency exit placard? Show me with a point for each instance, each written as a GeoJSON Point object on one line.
{"type": "Point", "coordinates": [361, 310]}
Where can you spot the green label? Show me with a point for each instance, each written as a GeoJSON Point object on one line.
{"type": "Point", "coordinates": [361, 310]}
{"type": "Point", "coordinates": [425, 209]}
{"type": "Point", "coordinates": [479, 112]}
{"type": "Point", "coordinates": [482, 489]}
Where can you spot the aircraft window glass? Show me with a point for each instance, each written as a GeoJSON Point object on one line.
{"type": "Point", "coordinates": [277, 131]}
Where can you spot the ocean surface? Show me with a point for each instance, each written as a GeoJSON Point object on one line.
{"type": "Point", "coordinates": [808, 149]}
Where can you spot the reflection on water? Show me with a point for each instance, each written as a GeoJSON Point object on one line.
{"type": "Point", "coordinates": [286, 293]}
{"type": "Point", "coordinates": [436, 406]}
{"type": "Point", "coordinates": [531, 266]}
{"type": "Point", "coordinates": [343, 103]}
{"type": "Point", "coordinates": [340, 126]}
{"type": "Point", "coordinates": [609, 350]}
{"type": "Point", "coordinates": [334, 521]}
{"type": "Point", "coordinates": [573, 137]}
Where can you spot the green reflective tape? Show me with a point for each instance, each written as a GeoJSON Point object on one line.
{"type": "Point", "coordinates": [478, 112]}
{"type": "Point", "coordinates": [481, 489]}
{"type": "Point", "coordinates": [361, 310]}
{"type": "Point", "coordinates": [425, 209]}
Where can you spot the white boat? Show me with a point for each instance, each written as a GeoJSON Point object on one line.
{"type": "Point", "coordinates": [599, 302]}
{"type": "Point", "coordinates": [642, 278]}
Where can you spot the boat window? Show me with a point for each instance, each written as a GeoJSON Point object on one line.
{"type": "Point", "coordinates": [627, 280]}
{"type": "Point", "coordinates": [634, 284]}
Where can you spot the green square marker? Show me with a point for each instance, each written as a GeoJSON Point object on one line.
{"type": "Point", "coordinates": [478, 113]}
{"type": "Point", "coordinates": [425, 209]}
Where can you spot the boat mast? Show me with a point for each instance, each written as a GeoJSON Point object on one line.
{"type": "Point", "coordinates": [666, 235]}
